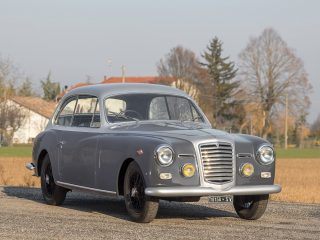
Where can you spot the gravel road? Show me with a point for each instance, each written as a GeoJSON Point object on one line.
{"type": "Point", "coordinates": [24, 215]}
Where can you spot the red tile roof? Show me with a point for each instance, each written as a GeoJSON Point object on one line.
{"type": "Point", "coordinates": [148, 79]}
{"type": "Point", "coordinates": [36, 104]}
{"type": "Point", "coordinates": [80, 84]}
{"type": "Point", "coordinates": [144, 79]}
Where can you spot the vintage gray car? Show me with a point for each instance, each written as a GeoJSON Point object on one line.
{"type": "Point", "coordinates": [149, 142]}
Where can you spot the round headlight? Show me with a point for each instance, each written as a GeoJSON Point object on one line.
{"type": "Point", "coordinates": [265, 155]}
{"type": "Point", "coordinates": [164, 155]}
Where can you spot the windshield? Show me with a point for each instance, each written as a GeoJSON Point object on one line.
{"type": "Point", "coordinates": [137, 107]}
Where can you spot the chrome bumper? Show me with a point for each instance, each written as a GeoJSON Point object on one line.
{"type": "Point", "coordinates": [30, 166]}
{"type": "Point", "coordinates": [207, 191]}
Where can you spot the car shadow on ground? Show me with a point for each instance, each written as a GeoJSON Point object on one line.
{"type": "Point", "coordinates": [115, 206]}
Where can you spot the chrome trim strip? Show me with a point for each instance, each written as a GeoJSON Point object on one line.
{"type": "Point", "coordinates": [244, 155]}
{"type": "Point", "coordinates": [184, 155]}
{"type": "Point", "coordinates": [30, 166]}
{"type": "Point", "coordinates": [207, 191]}
{"type": "Point", "coordinates": [63, 184]}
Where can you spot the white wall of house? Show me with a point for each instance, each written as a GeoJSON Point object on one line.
{"type": "Point", "coordinates": [32, 125]}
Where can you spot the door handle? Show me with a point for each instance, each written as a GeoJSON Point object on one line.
{"type": "Point", "coordinates": [60, 143]}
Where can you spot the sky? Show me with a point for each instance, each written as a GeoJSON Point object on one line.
{"type": "Point", "coordinates": [76, 39]}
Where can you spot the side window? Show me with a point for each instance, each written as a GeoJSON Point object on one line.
{"type": "Point", "coordinates": [195, 115]}
{"type": "Point", "coordinates": [64, 118]}
{"type": "Point", "coordinates": [179, 108]}
{"type": "Point", "coordinates": [114, 105]}
{"type": "Point", "coordinates": [96, 117]}
{"type": "Point", "coordinates": [158, 109]}
{"type": "Point", "coordinates": [84, 111]}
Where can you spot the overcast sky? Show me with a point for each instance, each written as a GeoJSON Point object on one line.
{"type": "Point", "coordinates": [75, 38]}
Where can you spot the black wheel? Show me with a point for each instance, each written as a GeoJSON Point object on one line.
{"type": "Point", "coordinates": [250, 207]}
{"type": "Point", "coordinates": [52, 193]}
{"type": "Point", "coordinates": [140, 207]}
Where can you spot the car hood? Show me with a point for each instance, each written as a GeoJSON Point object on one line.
{"type": "Point", "coordinates": [193, 133]}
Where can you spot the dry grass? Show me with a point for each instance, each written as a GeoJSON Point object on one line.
{"type": "Point", "coordinates": [299, 178]}
{"type": "Point", "coordinates": [14, 173]}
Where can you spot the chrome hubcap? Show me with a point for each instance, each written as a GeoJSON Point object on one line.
{"type": "Point", "coordinates": [47, 179]}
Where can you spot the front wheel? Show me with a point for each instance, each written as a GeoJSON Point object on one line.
{"type": "Point", "coordinates": [250, 207]}
{"type": "Point", "coordinates": [141, 208]}
{"type": "Point", "coordinates": [52, 193]}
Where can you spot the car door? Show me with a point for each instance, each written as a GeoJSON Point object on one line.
{"type": "Point", "coordinates": [78, 138]}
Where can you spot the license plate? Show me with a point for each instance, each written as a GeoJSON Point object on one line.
{"type": "Point", "coordinates": [220, 199]}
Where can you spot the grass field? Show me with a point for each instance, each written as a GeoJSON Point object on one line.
{"type": "Point", "coordinates": [298, 153]}
{"type": "Point", "coordinates": [16, 151]}
{"type": "Point", "coordinates": [14, 173]}
{"type": "Point", "coordinates": [299, 178]}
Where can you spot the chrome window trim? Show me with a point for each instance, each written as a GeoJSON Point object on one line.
{"type": "Point", "coordinates": [65, 101]}
{"type": "Point", "coordinates": [193, 103]}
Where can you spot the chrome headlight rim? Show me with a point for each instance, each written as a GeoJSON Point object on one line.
{"type": "Point", "coordinates": [158, 157]}
{"type": "Point", "coordinates": [262, 160]}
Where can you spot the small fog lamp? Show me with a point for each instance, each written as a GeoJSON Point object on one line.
{"type": "Point", "coordinates": [188, 170]}
{"type": "Point", "coordinates": [247, 169]}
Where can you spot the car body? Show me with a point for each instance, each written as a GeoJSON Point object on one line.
{"type": "Point", "coordinates": [103, 137]}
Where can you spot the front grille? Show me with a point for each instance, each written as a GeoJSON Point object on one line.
{"type": "Point", "coordinates": [217, 161]}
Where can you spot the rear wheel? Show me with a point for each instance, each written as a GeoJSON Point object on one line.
{"type": "Point", "coordinates": [250, 207]}
{"type": "Point", "coordinates": [141, 208]}
{"type": "Point", "coordinates": [52, 193]}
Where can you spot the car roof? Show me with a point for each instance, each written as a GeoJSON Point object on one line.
{"type": "Point", "coordinates": [103, 90]}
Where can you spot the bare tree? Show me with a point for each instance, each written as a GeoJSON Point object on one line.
{"type": "Point", "coordinates": [11, 116]}
{"type": "Point", "coordinates": [11, 119]}
{"type": "Point", "coordinates": [180, 67]}
{"type": "Point", "coordinates": [315, 128]}
{"type": "Point", "coordinates": [8, 76]}
{"type": "Point", "coordinates": [269, 71]}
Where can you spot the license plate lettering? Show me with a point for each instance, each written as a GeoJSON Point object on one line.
{"type": "Point", "coordinates": [220, 199]}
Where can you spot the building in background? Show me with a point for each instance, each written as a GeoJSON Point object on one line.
{"type": "Point", "coordinates": [37, 114]}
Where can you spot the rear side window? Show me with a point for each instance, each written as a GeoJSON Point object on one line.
{"type": "Point", "coordinates": [64, 118]}
{"type": "Point", "coordinates": [84, 111]}
{"type": "Point", "coordinates": [80, 112]}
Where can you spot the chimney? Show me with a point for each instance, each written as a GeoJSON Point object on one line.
{"type": "Point", "coordinates": [104, 78]}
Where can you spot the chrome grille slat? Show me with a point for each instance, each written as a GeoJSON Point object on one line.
{"type": "Point", "coordinates": [217, 155]}
{"type": "Point", "coordinates": [220, 170]}
{"type": "Point", "coordinates": [217, 161]}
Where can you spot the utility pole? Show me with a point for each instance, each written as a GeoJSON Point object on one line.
{"type": "Point", "coordinates": [286, 125]}
{"type": "Point", "coordinates": [251, 127]}
{"type": "Point", "coordinates": [109, 64]}
{"type": "Point", "coordinates": [123, 69]}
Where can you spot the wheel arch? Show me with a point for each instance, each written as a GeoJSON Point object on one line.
{"type": "Point", "coordinates": [41, 157]}
{"type": "Point", "coordinates": [121, 175]}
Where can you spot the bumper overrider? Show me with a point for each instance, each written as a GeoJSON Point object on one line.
{"type": "Point", "coordinates": [208, 191]}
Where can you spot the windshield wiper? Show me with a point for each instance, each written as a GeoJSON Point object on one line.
{"type": "Point", "coordinates": [121, 115]}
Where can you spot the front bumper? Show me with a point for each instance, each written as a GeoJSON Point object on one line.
{"type": "Point", "coordinates": [207, 191]}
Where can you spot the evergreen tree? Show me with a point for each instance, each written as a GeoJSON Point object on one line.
{"type": "Point", "coordinates": [222, 88]}
{"type": "Point", "coordinates": [26, 88]}
{"type": "Point", "coordinates": [50, 89]}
